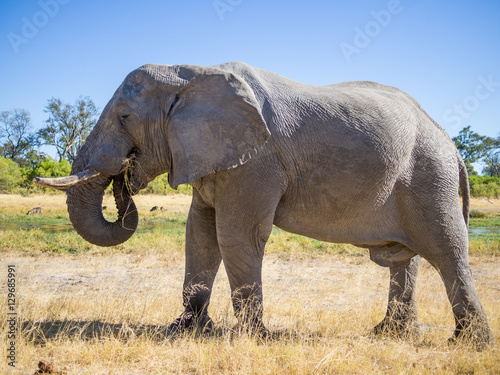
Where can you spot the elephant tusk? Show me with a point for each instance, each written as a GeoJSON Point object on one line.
{"type": "Point", "coordinates": [63, 183]}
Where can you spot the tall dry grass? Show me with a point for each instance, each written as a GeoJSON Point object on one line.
{"type": "Point", "coordinates": [108, 314]}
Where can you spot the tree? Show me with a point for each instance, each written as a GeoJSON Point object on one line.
{"type": "Point", "coordinates": [473, 147]}
{"type": "Point", "coordinates": [31, 159]}
{"type": "Point", "coordinates": [15, 132]}
{"type": "Point", "coordinates": [68, 125]}
{"type": "Point", "coordinates": [492, 160]}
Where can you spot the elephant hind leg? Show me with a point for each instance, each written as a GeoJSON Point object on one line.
{"type": "Point", "coordinates": [471, 324]}
{"type": "Point", "coordinates": [433, 226]}
{"type": "Point", "coordinates": [401, 317]}
{"type": "Point", "coordinates": [443, 242]}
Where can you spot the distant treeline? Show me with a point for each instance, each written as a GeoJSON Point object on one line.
{"type": "Point", "coordinates": [16, 179]}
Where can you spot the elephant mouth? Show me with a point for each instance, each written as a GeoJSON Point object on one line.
{"type": "Point", "coordinates": [134, 176]}
{"type": "Point", "coordinates": [132, 182]}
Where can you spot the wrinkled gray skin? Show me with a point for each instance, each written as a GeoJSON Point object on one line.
{"type": "Point", "coordinates": [354, 162]}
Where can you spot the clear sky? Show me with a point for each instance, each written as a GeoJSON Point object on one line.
{"type": "Point", "coordinates": [445, 53]}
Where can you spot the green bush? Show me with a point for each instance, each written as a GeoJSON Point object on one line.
{"type": "Point", "coordinates": [10, 175]}
{"type": "Point", "coordinates": [52, 168]}
{"type": "Point", "coordinates": [475, 214]}
{"type": "Point", "coordinates": [485, 186]}
{"type": "Point", "coordinates": [48, 167]}
{"type": "Point", "coordinates": [160, 186]}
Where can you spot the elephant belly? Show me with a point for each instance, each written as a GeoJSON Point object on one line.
{"type": "Point", "coordinates": [356, 215]}
{"type": "Point", "coordinates": [345, 191]}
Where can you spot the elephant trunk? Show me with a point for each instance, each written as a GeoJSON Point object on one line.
{"type": "Point", "coordinates": [98, 163]}
{"type": "Point", "coordinates": [85, 211]}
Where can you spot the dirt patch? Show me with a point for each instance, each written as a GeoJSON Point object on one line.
{"type": "Point", "coordinates": [485, 205]}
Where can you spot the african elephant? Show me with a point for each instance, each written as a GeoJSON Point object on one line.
{"type": "Point", "coordinates": [255, 146]}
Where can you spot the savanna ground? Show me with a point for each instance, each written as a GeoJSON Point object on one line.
{"type": "Point", "coordinates": [91, 310]}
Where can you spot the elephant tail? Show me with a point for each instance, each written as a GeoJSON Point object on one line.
{"type": "Point", "coordinates": [465, 189]}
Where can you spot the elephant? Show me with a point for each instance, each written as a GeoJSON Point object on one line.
{"type": "Point", "coordinates": [354, 162]}
{"type": "Point", "coordinates": [36, 210]}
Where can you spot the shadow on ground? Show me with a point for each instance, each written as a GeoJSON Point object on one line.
{"type": "Point", "coordinates": [40, 332]}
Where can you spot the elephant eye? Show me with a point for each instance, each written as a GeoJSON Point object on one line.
{"type": "Point", "coordinates": [123, 118]}
{"type": "Point", "coordinates": [172, 105]}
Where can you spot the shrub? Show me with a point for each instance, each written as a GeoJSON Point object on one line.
{"type": "Point", "coordinates": [485, 186]}
{"type": "Point", "coordinates": [48, 167]}
{"type": "Point", "coordinates": [10, 175]}
{"type": "Point", "coordinates": [160, 186]}
{"type": "Point", "coordinates": [475, 214]}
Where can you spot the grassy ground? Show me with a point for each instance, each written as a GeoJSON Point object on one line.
{"type": "Point", "coordinates": [91, 310]}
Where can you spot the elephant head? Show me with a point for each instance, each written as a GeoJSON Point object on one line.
{"type": "Point", "coordinates": [188, 121]}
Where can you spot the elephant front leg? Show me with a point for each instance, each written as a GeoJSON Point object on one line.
{"type": "Point", "coordinates": [245, 279]}
{"type": "Point", "coordinates": [245, 208]}
{"type": "Point", "coordinates": [203, 259]}
{"type": "Point", "coordinates": [242, 249]}
{"type": "Point", "coordinates": [401, 316]}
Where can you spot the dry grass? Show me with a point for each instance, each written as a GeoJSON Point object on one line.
{"type": "Point", "coordinates": [56, 203]}
{"type": "Point", "coordinates": [106, 312]}
{"type": "Point", "coordinates": [486, 205]}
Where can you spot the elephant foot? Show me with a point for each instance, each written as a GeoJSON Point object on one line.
{"type": "Point", "coordinates": [404, 328]}
{"type": "Point", "coordinates": [400, 321]}
{"type": "Point", "coordinates": [190, 322]}
{"type": "Point", "coordinates": [473, 331]}
{"type": "Point", "coordinates": [257, 331]}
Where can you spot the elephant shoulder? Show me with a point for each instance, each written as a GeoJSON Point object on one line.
{"type": "Point", "coordinates": [239, 68]}
{"type": "Point", "coordinates": [263, 80]}
{"type": "Point", "coordinates": [371, 85]}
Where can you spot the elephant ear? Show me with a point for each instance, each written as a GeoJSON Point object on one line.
{"type": "Point", "coordinates": [215, 124]}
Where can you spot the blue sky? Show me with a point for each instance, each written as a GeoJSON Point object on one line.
{"type": "Point", "coordinates": [446, 54]}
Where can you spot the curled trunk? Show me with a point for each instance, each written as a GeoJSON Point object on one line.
{"type": "Point", "coordinates": [85, 211]}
